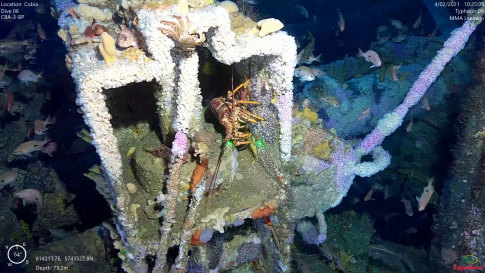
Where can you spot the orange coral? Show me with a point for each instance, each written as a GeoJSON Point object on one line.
{"type": "Point", "coordinates": [89, 32]}
{"type": "Point", "coordinates": [261, 213]}
{"type": "Point", "coordinates": [195, 239]}
{"type": "Point", "coordinates": [198, 173]}
{"type": "Point", "coordinates": [267, 221]}
{"type": "Point", "coordinates": [72, 13]}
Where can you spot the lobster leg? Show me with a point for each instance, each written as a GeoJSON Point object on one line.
{"type": "Point", "coordinates": [248, 102]}
{"type": "Point", "coordinates": [239, 87]}
{"type": "Point", "coordinates": [244, 111]}
{"type": "Point", "coordinates": [246, 117]}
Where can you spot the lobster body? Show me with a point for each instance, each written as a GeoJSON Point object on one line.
{"type": "Point", "coordinates": [231, 114]}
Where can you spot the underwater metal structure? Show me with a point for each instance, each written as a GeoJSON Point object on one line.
{"type": "Point", "coordinates": [271, 60]}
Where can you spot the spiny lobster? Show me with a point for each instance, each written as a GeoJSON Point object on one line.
{"type": "Point", "coordinates": [231, 113]}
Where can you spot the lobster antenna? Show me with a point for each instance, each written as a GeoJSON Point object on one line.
{"type": "Point", "coordinates": [232, 76]}
{"type": "Point", "coordinates": [214, 176]}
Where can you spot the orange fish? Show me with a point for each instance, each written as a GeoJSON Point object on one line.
{"type": "Point", "coordinates": [30, 196]}
{"type": "Point", "coordinates": [395, 68]}
{"type": "Point", "coordinates": [28, 147]}
{"type": "Point", "coordinates": [426, 195]}
{"type": "Point", "coordinates": [409, 128]}
{"type": "Point", "coordinates": [407, 206]}
{"type": "Point", "coordinates": [10, 101]}
{"type": "Point", "coordinates": [39, 128]}
{"type": "Point", "coordinates": [7, 178]}
{"type": "Point", "coordinates": [50, 120]}
{"type": "Point", "coordinates": [41, 32]}
{"type": "Point", "coordinates": [41, 125]}
{"type": "Point", "coordinates": [425, 104]}
{"type": "Point", "coordinates": [364, 114]}
{"type": "Point", "coordinates": [368, 196]}
{"type": "Point", "coordinates": [49, 148]}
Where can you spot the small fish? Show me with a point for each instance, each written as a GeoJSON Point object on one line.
{"type": "Point", "coordinates": [17, 108]}
{"type": "Point", "coordinates": [41, 32]}
{"type": "Point", "coordinates": [426, 195]}
{"type": "Point", "coordinates": [395, 68]}
{"type": "Point", "coordinates": [331, 100]}
{"type": "Point", "coordinates": [26, 76]}
{"type": "Point", "coordinates": [30, 57]}
{"type": "Point", "coordinates": [407, 206]}
{"type": "Point", "coordinates": [10, 101]}
{"type": "Point", "coordinates": [317, 72]}
{"type": "Point", "coordinates": [365, 113]}
{"type": "Point", "coordinates": [341, 21]}
{"type": "Point", "coordinates": [30, 196]}
{"type": "Point", "coordinates": [417, 23]}
{"type": "Point", "coordinates": [382, 39]}
{"type": "Point", "coordinates": [49, 148]}
{"type": "Point", "coordinates": [396, 23]}
{"type": "Point", "coordinates": [7, 178]}
{"type": "Point", "coordinates": [50, 120]}
{"type": "Point", "coordinates": [40, 8]}
{"type": "Point", "coordinates": [303, 11]}
{"type": "Point", "coordinates": [308, 49]}
{"type": "Point", "coordinates": [383, 253]}
{"type": "Point", "coordinates": [305, 73]}
{"type": "Point", "coordinates": [399, 38]}
{"type": "Point", "coordinates": [39, 128]}
{"type": "Point", "coordinates": [425, 104]}
{"type": "Point", "coordinates": [251, 2]}
{"type": "Point", "coordinates": [29, 147]}
{"type": "Point", "coordinates": [369, 194]}
{"type": "Point", "coordinates": [409, 127]}
{"type": "Point", "coordinates": [382, 28]}
{"type": "Point", "coordinates": [370, 56]}
{"type": "Point", "coordinates": [309, 59]}
{"type": "Point", "coordinates": [8, 46]}
{"type": "Point", "coordinates": [55, 14]}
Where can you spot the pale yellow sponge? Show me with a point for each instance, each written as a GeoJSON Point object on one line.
{"type": "Point", "coordinates": [182, 7]}
{"type": "Point", "coordinates": [107, 48]}
{"type": "Point", "coordinates": [308, 114]}
{"type": "Point", "coordinates": [87, 11]}
{"type": "Point", "coordinates": [230, 6]}
{"type": "Point", "coordinates": [268, 26]}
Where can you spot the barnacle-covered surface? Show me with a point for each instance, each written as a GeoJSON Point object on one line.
{"type": "Point", "coordinates": [466, 184]}
{"type": "Point", "coordinates": [148, 143]}
{"type": "Point", "coordinates": [129, 121]}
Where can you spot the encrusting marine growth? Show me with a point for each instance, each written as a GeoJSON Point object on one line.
{"type": "Point", "coordinates": [166, 37]}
